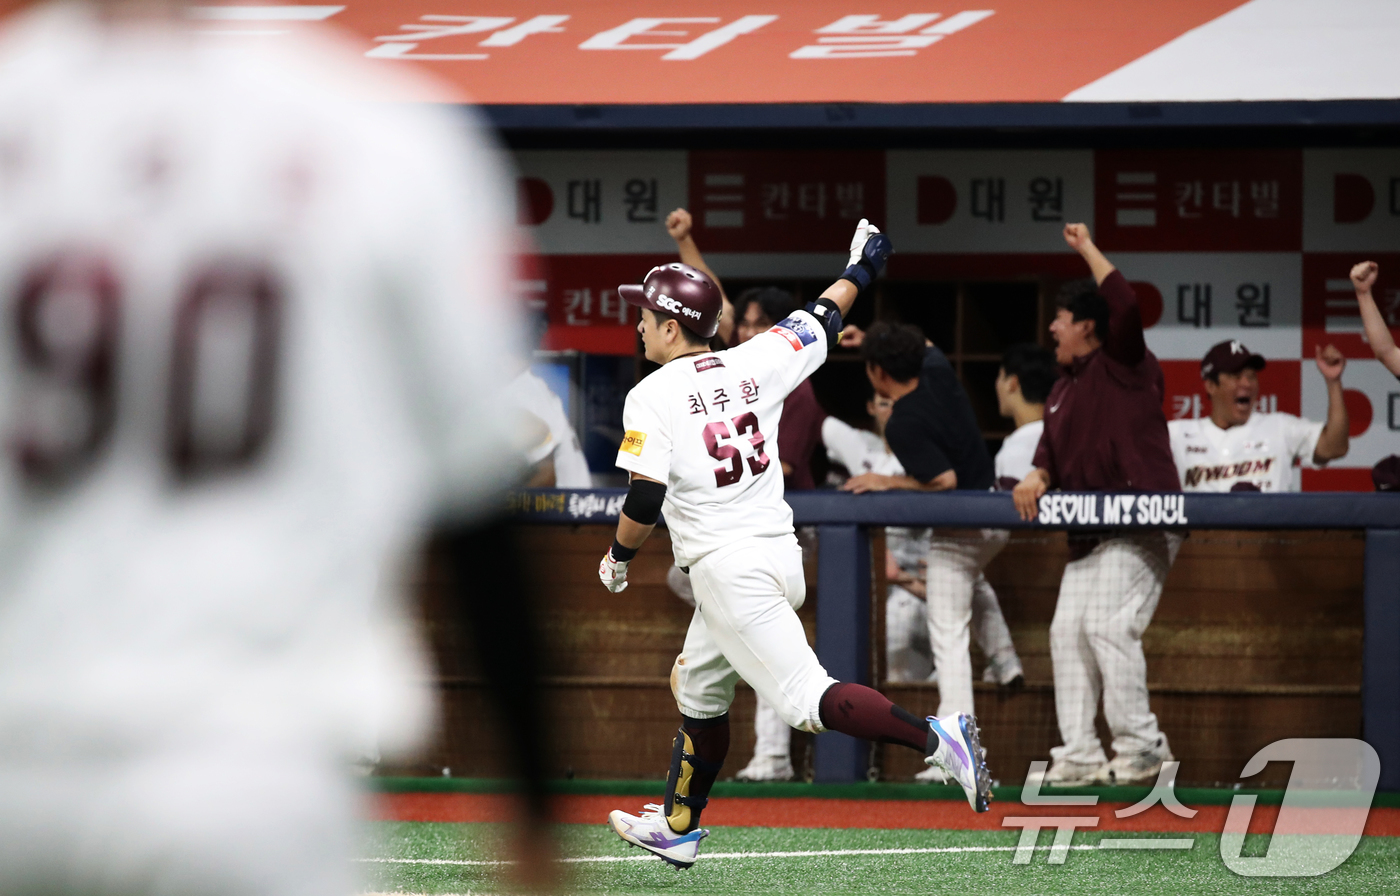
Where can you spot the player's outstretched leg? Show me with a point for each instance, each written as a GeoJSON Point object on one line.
{"type": "Point", "coordinates": [951, 743]}
{"type": "Point", "coordinates": [672, 831]}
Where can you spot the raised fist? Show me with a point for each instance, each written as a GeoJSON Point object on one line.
{"type": "Point", "coordinates": [678, 224]}
{"type": "Point", "coordinates": [1363, 275]}
{"type": "Point", "coordinates": [1330, 362]}
{"type": "Point", "coordinates": [1077, 236]}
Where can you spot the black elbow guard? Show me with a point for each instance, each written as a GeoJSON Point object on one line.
{"type": "Point", "coordinates": [643, 504]}
{"type": "Point", "coordinates": [825, 310]}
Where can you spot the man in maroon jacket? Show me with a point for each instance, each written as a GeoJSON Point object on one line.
{"type": "Point", "coordinates": [1104, 431]}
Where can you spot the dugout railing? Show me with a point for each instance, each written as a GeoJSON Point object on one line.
{"type": "Point", "coordinates": [844, 522]}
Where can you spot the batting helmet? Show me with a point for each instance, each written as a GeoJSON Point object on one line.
{"type": "Point", "coordinates": [681, 291]}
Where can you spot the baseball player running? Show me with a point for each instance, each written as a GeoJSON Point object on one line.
{"type": "Point", "coordinates": [1238, 448]}
{"type": "Point", "coordinates": [698, 436]}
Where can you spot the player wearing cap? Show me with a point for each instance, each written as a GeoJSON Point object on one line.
{"type": "Point", "coordinates": [1104, 431]}
{"type": "Point", "coordinates": [699, 432]}
{"type": "Point", "coordinates": [1238, 448]}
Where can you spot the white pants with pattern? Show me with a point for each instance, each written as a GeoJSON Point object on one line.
{"type": "Point", "coordinates": [955, 566]}
{"type": "Point", "coordinates": [908, 656]}
{"type": "Point", "coordinates": [746, 626]}
{"type": "Point", "coordinates": [1106, 601]}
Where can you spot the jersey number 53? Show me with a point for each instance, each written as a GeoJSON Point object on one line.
{"type": "Point", "coordinates": [733, 469]}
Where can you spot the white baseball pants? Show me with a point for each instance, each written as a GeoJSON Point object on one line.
{"type": "Point", "coordinates": [908, 656]}
{"type": "Point", "coordinates": [954, 568]}
{"type": "Point", "coordinates": [772, 735]}
{"type": "Point", "coordinates": [1106, 601]}
{"type": "Point", "coordinates": [746, 626]}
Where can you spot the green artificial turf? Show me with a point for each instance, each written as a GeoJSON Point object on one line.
{"type": "Point", "coordinates": [884, 790]}
{"type": "Point", "coordinates": [1373, 869]}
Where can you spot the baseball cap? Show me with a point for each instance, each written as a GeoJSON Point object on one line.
{"type": "Point", "coordinates": [687, 294]}
{"type": "Point", "coordinates": [1229, 356]}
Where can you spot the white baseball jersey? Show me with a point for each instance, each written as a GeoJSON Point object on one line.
{"type": "Point", "coordinates": [252, 338]}
{"type": "Point", "coordinates": [1259, 452]}
{"type": "Point", "coordinates": [861, 451]}
{"type": "Point", "coordinates": [707, 426]}
{"type": "Point", "coordinates": [533, 395]}
{"type": "Point", "coordinates": [1016, 458]}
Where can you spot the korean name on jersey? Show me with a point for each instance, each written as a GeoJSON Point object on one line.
{"type": "Point", "coordinates": [706, 425]}
{"type": "Point", "coordinates": [1259, 452]}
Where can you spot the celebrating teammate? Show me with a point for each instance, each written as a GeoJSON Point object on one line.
{"type": "Point", "coordinates": [933, 432]}
{"type": "Point", "coordinates": [1363, 277]}
{"type": "Point", "coordinates": [1104, 431]}
{"type": "Point", "coordinates": [1238, 448]}
{"type": "Point", "coordinates": [908, 653]}
{"type": "Point", "coordinates": [697, 431]}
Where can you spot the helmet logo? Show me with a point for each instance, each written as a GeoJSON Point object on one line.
{"type": "Point", "coordinates": [671, 305]}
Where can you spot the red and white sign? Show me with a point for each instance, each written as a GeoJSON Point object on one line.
{"type": "Point", "coordinates": [1351, 199]}
{"type": "Point", "coordinates": [988, 201]}
{"type": "Point", "coordinates": [1199, 200]}
{"type": "Point", "coordinates": [1330, 312]}
{"type": "Point", "coordinates": [603, 202]}
{"type": "Point", "coordinates": [784, 201]}
{"type": "Point", "coordinates": [582, 304]}
{"type": "Point", "coordinates": [1192, 300]}
{"type": "Point", "coordinates": [736, 51]}
{"type": "Point", "coordinates": [1372, 396]}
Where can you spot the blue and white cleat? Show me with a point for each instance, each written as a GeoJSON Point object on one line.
{"type": "Point", "coordinates": [955, 746]}
{"type": "Point", "coordinates": [650, 831]}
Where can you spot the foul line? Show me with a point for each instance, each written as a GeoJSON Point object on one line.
{"type": "Point", "coordinates": [795, 854]}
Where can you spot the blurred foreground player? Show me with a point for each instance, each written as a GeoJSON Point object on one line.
{"type": "Point", "coordinates": [696, 433]}
{"type": "Point", "coordinates": [1104, 431]}
{"type": "Point", "coordinates": [234, 306]}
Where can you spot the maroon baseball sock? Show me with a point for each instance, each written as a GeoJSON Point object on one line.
{"type": "Point", "coordinates": [862, 712]}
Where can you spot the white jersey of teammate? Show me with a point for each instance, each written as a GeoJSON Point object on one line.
{"type": "Point", "coordinates": [1260, 452]}
{"type": "Point", "coordinates": [861, 451]}
{"type": "Point", "coordinates": [244, 387]}
{"type": "Point", "coordinates": [534, 396]}
{"type": "Point", "coordinates": [706, 425]}
{"type": "Point", "coordinates": [1016, 458]}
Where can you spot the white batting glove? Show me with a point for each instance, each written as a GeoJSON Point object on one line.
{"type": "Point", "coordinates": [613, 573]}
{"type": "Point", "coordinates": [864, 231]}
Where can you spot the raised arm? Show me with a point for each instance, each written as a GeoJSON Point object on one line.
{"type": "Point", "coordinates": [678, 225]}
{"type": "Point", "coordinates": [869, 250]}
{"type": "Point", "coordinates": [1124, 342]}
{"type": "Point", "coordinates": [1363, 277]}
{"type": "Point", "coordinates": [1336, 435]}
{"type": "Point", "coordinates": [1077, 235]}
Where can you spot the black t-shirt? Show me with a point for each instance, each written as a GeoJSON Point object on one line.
{"type": "Point", "coordinates": [933, 429]}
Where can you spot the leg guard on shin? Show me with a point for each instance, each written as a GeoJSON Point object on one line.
{"type": "Point", "coordinates": [689, 781]}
